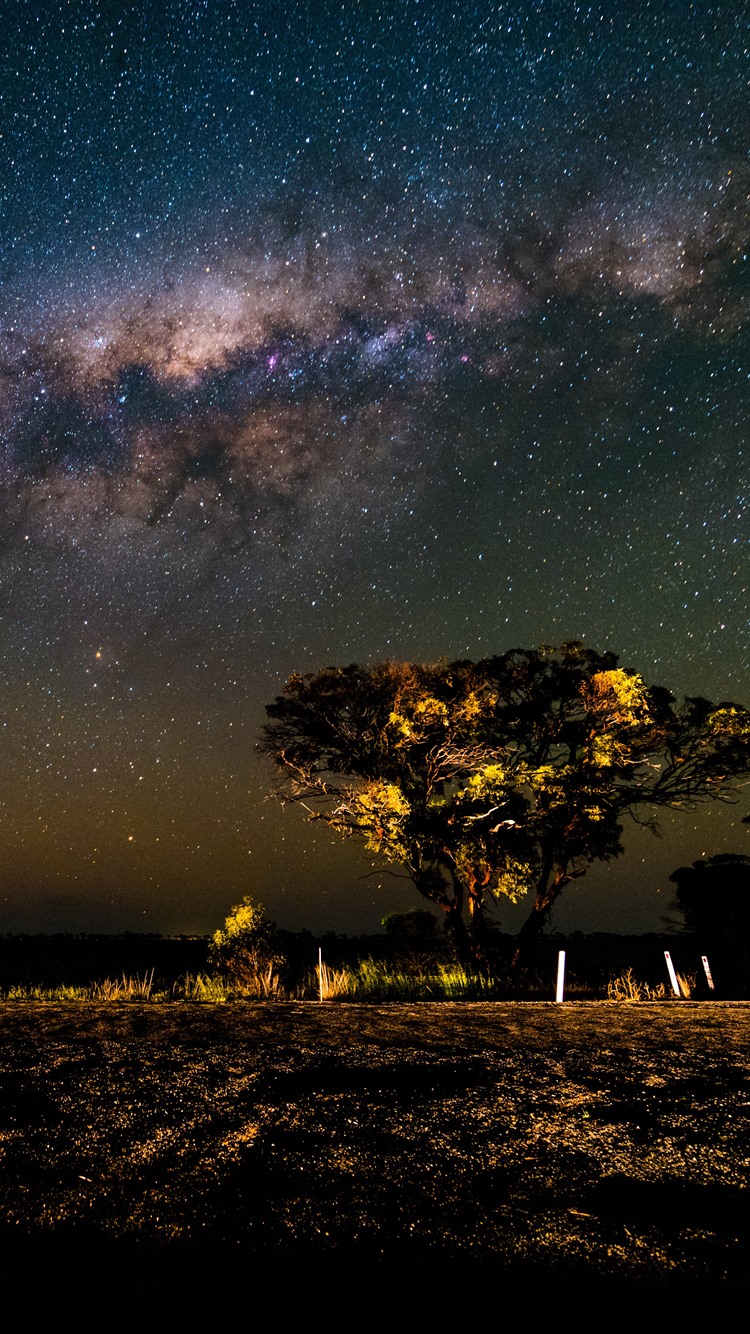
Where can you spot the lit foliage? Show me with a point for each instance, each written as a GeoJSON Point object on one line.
{"type": "Point", "coordinates": [382, 813]}
{"type": "Point", "coordinates": [246, 951]}
{"type": "Point", "coordinates": [490, 779]}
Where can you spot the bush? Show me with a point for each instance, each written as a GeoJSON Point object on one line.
{"type": "Point", "coordinates": [246, 950]}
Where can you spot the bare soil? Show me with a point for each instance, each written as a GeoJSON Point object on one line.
{"type": "Point", "coordinates": [468, 1146]}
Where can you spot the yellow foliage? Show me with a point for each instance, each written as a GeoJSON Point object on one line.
{"type": "Point", "coordinates": [401, 724]}
{"type": "Point", "coordinates": [618, 694]}
{"type": "Point", "coordinates": [607, 751]}
{"type": "Point", "coordinates": [474, 705]}
{"type": "Point", "coordinates": [382, 798]}
{"type": "Point", "coordinates": [514, 880]}
{"type": "Point", "coordinates": [431, 710]}
{"type": "Point", "coordinates": [488, 782]}
{"type": "Point", "coordinates": [381, 810]}
{"type": "Point", "coordinates": [412, 719]}
{"type": "Point", "coordinates": [246, 917]}
{"type": "Point", "coordinates": [543, 778]}
{"type": "Point", "coordinates": [730, 722]}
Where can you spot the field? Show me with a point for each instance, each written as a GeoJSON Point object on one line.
{"type": "Point", "coordinates": [506, 1144]}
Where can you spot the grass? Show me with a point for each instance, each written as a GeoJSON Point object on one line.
{"type": "Point", "coordinates": [370, 979]}
{"type": "Point", "coordinates": [416, 980]}
{"type": "Point", "coordinates": [331, 982]}
{"type": "Point", "coordinates": [627, 987]}
{"type": "Point", "coordinates": [125, 988]}
{"type": "Point", "coordinates": [204, 988]}
{"type": "Point", "coordinates": [122, 989]}
{"type": "Point", "coordinates": [374, 980]}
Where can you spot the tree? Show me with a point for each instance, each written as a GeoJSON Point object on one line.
{"type": "Point", "coordinates": [414, 936]}
{"type": "Point", "coordinates": [246, 949]}
{"type": "Point", "coordinates": [489, 779]}
{"type": "Point", "coordinates": [416, 928]}
{"type": "Point", "coordinates": [713, 896]}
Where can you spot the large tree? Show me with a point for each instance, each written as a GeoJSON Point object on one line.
{"type": "Point", "coordinates": [713, 896]}
{"type": "Point", "coordinates": [490, 779]}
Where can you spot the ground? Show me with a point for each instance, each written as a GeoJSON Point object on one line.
{"type": "Point", "coordinates": [587, 1144]}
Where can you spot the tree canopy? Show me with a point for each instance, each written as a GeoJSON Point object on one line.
{"type": "Point", "coordinates": [486, 780]}
{"type": "Point", "coordinates": [713, 896]}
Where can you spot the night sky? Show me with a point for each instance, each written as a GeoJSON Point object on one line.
{"type": "Point", "coordinates": [337, 332]}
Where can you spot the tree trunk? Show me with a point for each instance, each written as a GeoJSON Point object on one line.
{"type": "Point", "coordinates": [456, 926]}
{"type": "Point", "coordinates": [478, 922]}
{"type": "Point", "coordinates": [548, 892]}
{"type": "Point", "coordinates": [452, 906]}
{"type": "Point", "coordinates": [529, 938]}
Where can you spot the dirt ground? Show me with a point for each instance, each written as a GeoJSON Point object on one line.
{"type": "Point", "coordinates": [585, 1146]}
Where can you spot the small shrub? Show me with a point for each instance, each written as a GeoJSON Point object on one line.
{"type": "Point", "coordinates": [246, 951]}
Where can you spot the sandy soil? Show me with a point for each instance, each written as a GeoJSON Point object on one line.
{"type": "Point", "coordinates": [586, 1143]}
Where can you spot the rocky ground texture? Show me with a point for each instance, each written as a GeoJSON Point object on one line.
{"type": "Point", "coordinates": [584, 1143]}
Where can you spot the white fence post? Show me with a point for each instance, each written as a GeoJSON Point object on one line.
{"type": "Point", "coordinates": [560, 977]}
{"type": "Point", "coordinates": [672, 973]}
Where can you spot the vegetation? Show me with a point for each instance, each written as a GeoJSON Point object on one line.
{"type": "Point", "coordinates": [201, 987]}
{"type": "Point", "coordinates": [400, 966]}
{"type": "Point", "coordinates": [411, 961]}
{"type": "Point", "coordinates": [246, 951]}
{"type": "Point", "coordinates": [713, 896]}
{"type": "Point", "coordinates": [495, 779]}
{"type": "Point", "coordinates": [367, 980]}
{"type": "Point", "coordinates": [332, 982]}
{"type": "Point", "coordinates": [627, 987]}
{"type": "Point", "coordinates": [376, 980]}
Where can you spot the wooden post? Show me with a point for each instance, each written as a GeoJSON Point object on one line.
{"type": "Point", "coordinates": [560, 977]}
{"type": "Point", "coordinates": [672, 973]}
{"type": "Point", "coordinates": [320, 973]}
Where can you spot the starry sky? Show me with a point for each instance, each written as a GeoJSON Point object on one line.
{"type": "Point", "coordinates": [335, 332]}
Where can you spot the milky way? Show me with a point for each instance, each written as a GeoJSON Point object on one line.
{"type": "Point", "coordinates": [331, 333]}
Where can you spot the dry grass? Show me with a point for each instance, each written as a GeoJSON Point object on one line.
{"type": "Point", "coordinates": [627, 987]}
{"type": "Point", "coordinates": [333, 982]}
{"type": "Point", "coordinates": [370, 980]}
{"type": "Point", "coordinates": [126, 988]}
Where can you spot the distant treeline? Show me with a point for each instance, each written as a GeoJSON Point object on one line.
{"type": "Point", "coordinates": [76, 960]}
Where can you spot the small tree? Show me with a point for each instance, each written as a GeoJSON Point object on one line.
{"type": "Point", "coordinates": [415, 929]}
{"type": "Point", "coordinates": [246, 950]}
{"type": "Point", "coordinates": [486, 780]}
{"type": "Point", "coordinates": [414, 936]}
